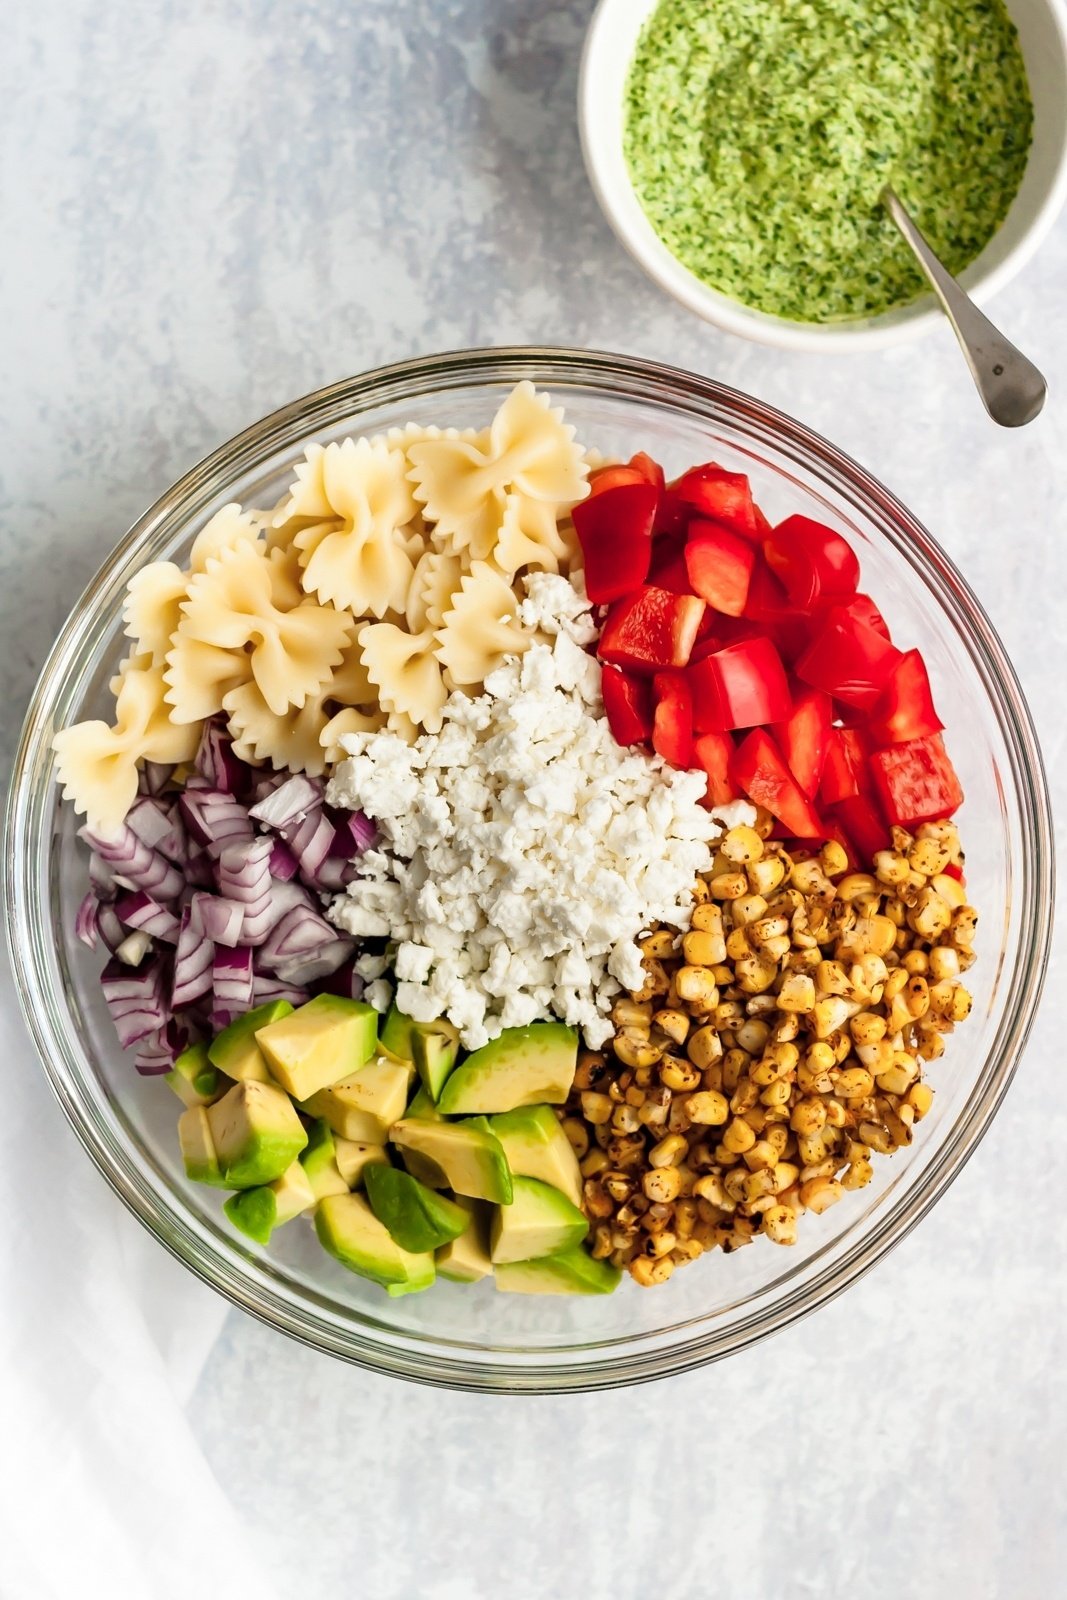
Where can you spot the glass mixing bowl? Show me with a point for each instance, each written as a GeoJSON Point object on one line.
{"type": "Point", "coordinates": [475, 1338]}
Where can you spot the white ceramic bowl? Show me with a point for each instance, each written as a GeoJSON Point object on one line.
{"type": "Point", "coordinates": [609, 49]}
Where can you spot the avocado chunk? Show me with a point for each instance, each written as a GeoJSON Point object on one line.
{"type": "Point", "coordinates": [353, 1157]}
{"type": "Point", "coordinates": [396, 1034]}
{"type": "Point", "coordinates": [466, 1258]}
{"type": "Point", "coordinates": [435, 1046]}
{"type": "Point", "coordinates": [423, 1108]}
{"type": "Point", "coordinates": [537, 1147]}
{"type": "Point", "coordinates": [235, 1051]}
{"type": "Point", "coordinates": [319, 1043]}
{"type": "Point", "coordinates": [464, 1156]}
{"type": "Point", "coordinates": [417, 1217]}
{"type": "Point", "coordinates": [349, 1230]}
{"type": "Point", "coordinates": [198, 1147]}
{"type": "Point", "coordinates": [257, 1212]}
{"type": "Point", "coordinates": [522, 1067]}
{"type": "Point", "coordinates": [539, 1222]}
{"type": "Point", "coordinates": [570, 1271]}
{"type": "Point", "coordinates": [364, 1106]}
{"type": "Point", "coordinates": [319, 1161]}
{"type": "Point", "coordinates": [194, 1080]}
{"type": "Point", "coordinates": [257, 1134]}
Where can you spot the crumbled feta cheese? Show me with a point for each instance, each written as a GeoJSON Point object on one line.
{"type": "Point", "coordinates": [523, 851]}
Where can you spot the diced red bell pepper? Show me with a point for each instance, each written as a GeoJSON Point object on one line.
{"type": "Point", "coordinates": [804, 736]}
{"type": "Point", "coordinates": [759, 769]}
{"type": "Point", "coordinates": [672, 728]}
{"type": "Point", "coordinates": [845, 772]}
{"type": "Point", "coordinates": [650, 470]}
{"type": "Point", "coordinates": [814, 564]}
{"type": "Point", "coordinates": [768, 604]}
{"type": "Point", "coordinates": [671, 574]}
{"type": "Point", "coordinates": [719, 564]}
{"type": "Point", "coordinates": [616, 476]}
{"type": "Point", "coordinates": [863, 824]}
{"type": "Point", "coordinates": [906, 708]}
{"type": "Point", "coordinates": [863, 608]}
{"type": "Point", "coordinates": [710, 491]}
{"type": "Point", "coordinates": [848, 659]}
{"type": "Point", "coordinates": [627, 705]}
{"type": "Point", "coordinates": [650, 630]}
{"type": "Point", "coordinates": [614, 529]}
{"type": "Point", "coordinates": [916, 782]}
{"type": "Point", "coordinates": [953, 871]}
{"type": "Point", "coordinates": [743, 686]}
{"type": "Point", "coordinates": [712, 753]}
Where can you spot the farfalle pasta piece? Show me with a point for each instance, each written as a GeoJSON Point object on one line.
{"type": "Point", "coordinates": [227, 527]}
{"type": "Point", "coordinates": [434, 582]}
{"type": "Point", "coordinates": [404, 668]}
{"type": "Point", "coordinates": [97, 764]}
{"type": "Point", "coordinates": [152, 609]}
{"type": "Point", "coordinates": [349, 720]}
{"type": "Point", "coordinates": [480, 627]}
{"type": "Point", "coordinates": [295, 739]}
{"type": "Point", "coordinates": [530, 536]}
{"type": "Point", "coordinates": [530, 451]}
{"type": "Point", "coordinates": [232, 607]}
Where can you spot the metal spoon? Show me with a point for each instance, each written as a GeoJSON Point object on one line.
{"type": "Point", "coordinates": [1012, 389]}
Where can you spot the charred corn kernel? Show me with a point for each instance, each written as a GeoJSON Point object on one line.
{"type": "Point", "coordinates": [831, 978]}
{"type": "Point", "coordinates": [646, 1272]}
{"type": "Point", "coordinates": [679, 1075]}
{"type": "Point", "coordinates": [742, 845]}
{"type": "Point", "coordinates": [595, 1162]}
{"type": "Point", "coordinates": [577, 1135]}
{"type": "Point", "coordinates": [700, 892]}
{"type": "Point", "coordinates": [635, 1096]}
{"type": "Point", "coordinates": [964, 926]}
{"type": "Point", "coordinates": [685, 1216]}
{"type": "Point", "coordinates": [833, 859]}
{"type": "Point", "coordinates": [668, 1152]}
{"type": "Point", "coordinates": [831, 1014]}
{"type": "Point", "coordinates": [662, 1185]}
{"type": "Point", "coordinates": [762, 1157]}
{"type": "Point", "coordinates": [867, 1027]}
{"type": "Point", "coordinates": [738, 945]}
{"type": "Point", "coordinates": [786, 1173]}
{"type": "Point", "coordinates": [596, 1108]}
{"type": "Point", "coordinates": [931, 916]}
{"type": "Point", "coordinates": [661, 1244]}
{"type": "Point", "coordinates": [738, 1137]}
{"type": "Point", "coordinates": [765, 1072]}
{"type": "Point", "coordinates": [857, 1174]}
{"type": "Point", "coordinates": [836, 1115]}
{"type": "Point", "coordinates": [653, 1115]}
{"type": "Point", "coordinates": [752, 1037]}
{"type": "Point", "coordinates": [755, 974]}
{"type": "Point", "coordinates": [734, 1063]}
{"type": "Point", "coordinates": [711, 1191]}
{"type": "Point", "coordinates": [701, 949]}
{"type": "Point", "coordinates": [675, 1024]}
{"type": "Point", "coordinates": [890, 867]}
{"type": "Point", "coordinates": [915, 962]}
{"type": "Point", "coordinates": [916, 996]}
{"type": "Point", "coordinates": [758, 1185]}
{"type": "Point", "coordinates": [950, 890]}
{"type": "Point", "coordinates": [929, 857]}
{"type": "Point", "coordinates": [877, 1057]}
{"type": "Point", "coordinates": [944, 962]}
{"type": "Point", "coordinates": [625, 1119]}
{"type": "Point", "coordinates": [808, 1117]}
{"type": "Point", "coordinates": [779, 1223]}
{"type": "Point", "coordinates": [635, 1048]}
{"type": "Point", "coordinates": [767, 875]}
{"type": "Point", "coordinates": [723, 976]}
{"type": "Point", "coordinates": [797, 993]}
{"type": "Point", "coordinates": [894, 983]}
{"type": "Point", "coordinates": [809, 878]}
{"type": "Point", "coordinates": [857, 885]}
{"type": "Point", "coordinates": [768, 931]}
{"type": "Point", "coordinates": [949, 999]}
{"type": "Point", "coordinates": [819, 1194]}
{"type": "Point", "coordinates": [853, 1083]}
{"type": "Point", "coordinates": [747, 910]}
{"type": "Point", "coordinates": [728, 885]}
{"type": "Point", "coordinates": [876, 1137]}
{"type": "Point", "coordinates": [596, 1202]}
{"type": "Point", "coordinates": [778, 1093]}
{"type": "Point", "coordinates": [708, 1108]}
{"type": "Point", "coordinates": [920, 1098]}
{"type": "Point", "coordinates": [707, 918]}
{"type": "Point", "coordinates": [704, 1047]}
{"type": "Point", "coordinates": [619, 1185]}
{"type": "Point", "coordinates": [632, 1014]}
{"type": "Point", "coordinates": [696, 987]}
{"type": "Point", "coordinates": [744, 1097]}
{"type": "Point", "coordinates": [658, 946]}
{"type": "Point", "coordinates": [602, 1245]}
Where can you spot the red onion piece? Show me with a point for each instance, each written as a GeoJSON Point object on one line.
{"type": "Point", "coordinates": [154, 777]}
{"type": "Point", "coordinates": [158, 1052]}
{"type": "Point", "coordinates": [232, 982]}
{"type": "Point", "coordinates": [244, 876]}
{"type": "Point", "coordinates": [315, 964]}
{"type": "Point", "coordinates": [109, 927]}
{"type": "Point", "coordinates": [135, 999]}
{"type": "Point", "coordinates": [85, 922]}
{"type": "Point", "coordinates": [283, 863]}
{"type": "Point", "coordinates": [265, 785]}
{"type": "Point", "coordinates": [215, 819]}
{"type": "Point", "coordinates": [192, 961]}
{"type": "Point", "coordinates": [358, 830]}
{"type": "Point", "coordinates": [101, 878]}
{"type": "Point", "coordinates": [289, 804]}
{"type": "Point", "coordinates": [266, 987]}
{"type": "Point", "coordinates": [216, 761]}
{"type": "Point", "coordinates": [139, 910]}
{"type": "Point", "coordinates": [133, 864]}
{"type": "Point", "coordinates": [220, 920]}
{"type": "Point", "coordinates": [301, 931]}
{"type": "Point", "coordinates": [346, 982]}
{"type": "Point", "coordinates": [310, 842]}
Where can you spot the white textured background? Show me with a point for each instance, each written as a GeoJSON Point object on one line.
{"type": "Point", "coordinates": [211, 206]}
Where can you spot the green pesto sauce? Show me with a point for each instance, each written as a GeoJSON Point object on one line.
{"type": "Point", "coordinates": [759, 135]}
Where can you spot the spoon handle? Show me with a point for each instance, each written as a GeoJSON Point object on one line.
{"type": "Point", "coordinates": [1012, 389]}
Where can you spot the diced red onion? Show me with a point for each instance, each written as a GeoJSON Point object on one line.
{"type": "Point", "coordinates": [109, 927]}
{"type": "Point", "coordinates": [265, 785]}
{"type": "Point", "coordinates": [192, 961]}
{"type": "Point", "coordinates": [134, 865]}
{"type": "Point", "coordinates": [232, 981]}
{"type": "Point", "coordinates": [101, 878]}
{"type": "Point", "coordinates": [139, 910]}
{"type": "Point", "coordinates": [215, 819]}
{"type": "Point", "coordinates": [346, 982]}
{"type": "Point", "coordinates": [283, 863]}
{"type": "Point", "coordinates": [199, 869]}
{"type": "Point", "coordinates": [158, 824]}
{"type": "Point", "coordinates": [85, 922]}
{"type": "Point", "coordinates": [310, 842]}
{"type": "Point", "coordinates": [266, 987]}
{"type": "Point", "coordinates": [219, 919]}
{"type": "Point", "coordinates": [154, 777]}
{"type": "Point", "coordinates": [135, 999]}
{"type": "Point", "coordinates": [158, 1052]}
{"type": "Point", "coordinates": [283, 808]}
{"type": "Point", "coordinates": [301, 931]}
{"type": "Point", "coordinates": [216, 761]}
{"type": "Point", "coordinates": [283, 898]}
{"type": "Point", "coordinates": [359, 830]}
{"type": "Point", "coordinates": [244, 876]}
{"type": "Point", "coordinates": [315, 964]}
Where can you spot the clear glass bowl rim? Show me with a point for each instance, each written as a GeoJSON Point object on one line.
{"type": "Point", "coordinates": [626, 377]}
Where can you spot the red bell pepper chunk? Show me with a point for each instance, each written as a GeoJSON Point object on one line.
{"type": "Point", "coordinates": [616, 476]}
{"type": "Point", "coordinates": [916, 782]}
{"type": "Point", "coordinates": [768, 604]}
{"type": "Point", "coordinates": [672, 729]}
{"type": "Point", "coordinates": [814, 564]}
{"type": "Point", "coordinates": [650, 470]}
{"type": "Point", "coordinates": [804, 736]}
{"type": "Point", "coordinates": [862, 823]}
{"type": "Point", "coordinates": [845, 772]}
{"type": "Point", "coordinates": [627, 706]}
{"type": "Point", "coordinates": [650, 630]}
{"type": "Point", "coordinates": [906, 709]}
{"type": "Point", "coordinates": [743, 686]}
{"type": "Point", "coordinates": [759, 769]}
{"type": "Point", "coordinates": [712, 753]}
{"type": "Point", "coordinates": [710, 491]}
{"type": "Point", "coordinates": [614, 529]}
{"type": "Point", "coordinates": [863, 608]}
{"type": "Point", "coordinates": [719, 564]}
{"type": "Point", "coordinates": [671, 573]}
{"type": "Point", "coordinates": [848, 660]}
{"type": "Point", "coordinates": [953, 871]}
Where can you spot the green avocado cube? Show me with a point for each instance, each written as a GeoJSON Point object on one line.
{"type": "Point", "coordinates": [539, 1222]}
{"type": "Point", "coordinates": [353, 1156]}
{"type": "Point", "coordinates": [422, 1107]}
{"type": "Point", "coordinates": [257, 1212]}
{"type": "Point", "coordinates": [321, 1042]}
{"type": "Point", "coordinates": [257, 1134]}
{"type": "Point", "coordinates": [537, 1147]}
{"type": "Point", "coordinates": [319, 1161]}
{"type": "Point", "coordinates": [570, 1271]}
{"type": "Point", "coordinates": [466, 1258]}
{"type": "Point", "coordinates": [466, 1157]}
{"type": "Point", "coordinates": [522, 1067]}
{"type": "Point", "coordinates": [192, 1077]}
{"type": "Point", "coordinates": [396, 1034]}
{"type": "Point", "coordinates": [198, 1147]}
{"type": "Point", "coordinates": [235, 1051]}
{"type": "Point", "coordinates": [435, 1046]}
{"type": "Point", "coordinates": [364, 1106]}
{"type": "Point", "coordinates": [417, 1217]}
{"type": "Point", "coordinates": [348, 1229]}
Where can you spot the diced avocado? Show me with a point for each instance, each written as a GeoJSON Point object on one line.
{"type": "Point", "coordinates": [537, 1147]}
{"type": "Point", "coordinates": [321, 1042]}
{"type": "Point", "coordinates": [522, 1067]}
{"type": "Point", "coordinates": [349, 1230]}
{"type": "Point", "coordinates": [319, 1161]}
{"type": "Point", "coordinates": [423, 1278]}
{"type": "Point", "coordinates": [435, 1046]}
{"type": "Point", "coordinates": [192, 1077]}
{"type": "Point", "coordinates": [464, 1156]}
{"type": "Point", "coordinates": [466, 1259]}
{"type": "Point", "coordinates": [396, 1034]}
{"type": "Point", "coordinates": [198, 1147]}
{"type": "Point", "coordinates": [235, 1051]}
{"type": "Point", "coordinates": [570, 1271]}
{"type": "Point", "coordinates": [257, 1212]}
{"type": "Point", "coordinates": [257, 1134]}
{"type": "Point", "coordinates": [417, 1217]}
{"type": "Point", "coordinates": [539, 1222]}
{"type": "Point", "coordinates": [352, 1158]}
{"type": "Point", "coordinates": [423, 1108]}
{"type": "Point", "coordinates": [364, 1106]}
